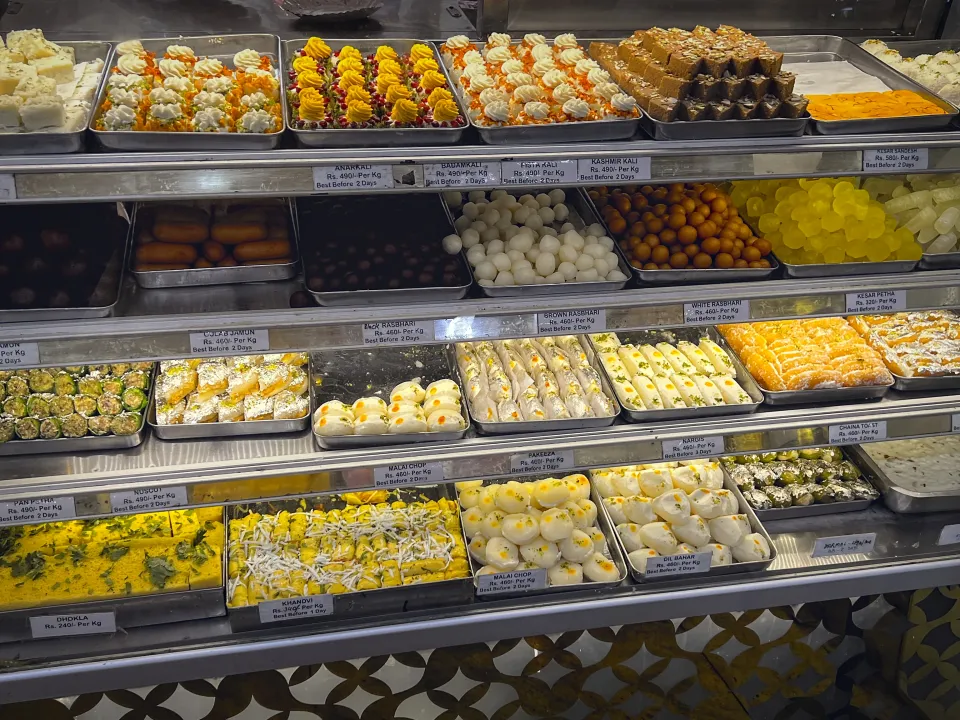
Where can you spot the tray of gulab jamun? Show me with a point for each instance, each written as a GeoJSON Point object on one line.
{"type": "Point", "coordinates": [61, 262]}
{"type": "Point", "coordinates": [379, 250]}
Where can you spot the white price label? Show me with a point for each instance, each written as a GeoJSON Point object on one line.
{"type": "Point", "coordinates": [8, 187]}
{"type": "Point", "coordinates": [853, 433]}
{"type": "Point", "coordinates": [878, 301]}
{"type": "Point", "coordinates": [511, 582]}
{"type": "Point", "coordinates": [422, 473]}
{"type": "Point", "coordinates": [569, 322]}
{"type": "Point", "coordinates": [894, 159]}
{"type": "Point", "coordinates": [955, 422]}
{"type": "Point", "coordinates": [950, 535]}
{"type": "Point", "coordinates": [148, 499]}
{"type": "Point", "coordinates": [353, 177]}
{"type": "Point", "coordinates": [686, 448]}
{"type": "Point", "coordinates": [398, 332]}
{"type": "Point", "coordinates": [678, 565]}
{"type": "Point", "coordinates": [712, 312]}
{"type": "Point", "coordinates": [46, 626]}
{"type": "Point", "coordinates": [844, 545]}
{"type": "Point", "coordinates": [22, 512]}
{"type": "Point", "coordinates": [613, 169]}
{"type": "Point", "coordinates": [461, 174]}
{"type": "Point", "coordinates": [545, 461]}
{"type": "Point", "coordinates": [19, 354]}
{"type": "Point", "coordinates": [539, 172]}
{"type": "Point", "coordinates": [229, 342]}
{"type": "Point", "coordinates": [295, 608]}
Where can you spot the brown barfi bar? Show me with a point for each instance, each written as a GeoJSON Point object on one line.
{"type": "Point", "coordinates": [770, 62]}
{"type": "Point", "coordinates": [705, 87]}
{"type": "Point", "coordinates": [732, 87]}
{"type": "Point", "coordinates": [783, 84]}
{"type": "Point", "coordinates": [675, 87]}
{"type": "Point", "coordinates": [720, 109]}
{"type": "Point", "coordinates": [662, 108]}
{"type": "Point", "coordinates": [759, 85]}
{"type": "Point", "coordinates": [692, 110]}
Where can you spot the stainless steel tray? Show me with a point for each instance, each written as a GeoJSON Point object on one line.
{"type": "Point", "coordinates": [939, 261]}
{"type": "Point", "coordinates": [900, 499]}
{"type": "Point", "coordinates": [382, 601]}
{"type": "Point", "coordinates": [692, 334]}
{"type": "Point", "coordinates": [824, 395]}
{"type": "Point", "coordinates": [224, 429]}
{"type": "Point", "coordinates": [922, 384]}
{"type": "Point", "coordinates": [723, 129]}
{"type": "Point", "coordinates": [366, 298]}
{"type": "Point", "coordinates": [221, 47]}
{"type": "Point", "coordinates": [810, 48]}
{"type": "Point", "coordinates": [193, 277]}
{"type": "Point", "coordinates": [533, 426]}
{"type": "Point", "coordinates": [44, 143]}
{"type": "Point", "coordinates": [583, 214]}
{"type": "Point", "coordinates": [847, 269]}
{"type": "Point", "coordinates": [352, 374]}
{"type": "Point", "coordinates": [614, 552]}
{"type": "Point", "coordinates": [105, 296]}
{"type": "Point", "coordinates": [87, 443]}
{"type": "Point", "coordinates": [138, 611]}
{"type": "Point", "coordinates": [372, 137]}
{"type": "Point", "coordinates": [587, 131]}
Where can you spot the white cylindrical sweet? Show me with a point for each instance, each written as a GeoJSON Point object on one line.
{"type": "Point", "coordinates": [603, 481]}
{"type": "Point", "coordinates": [685, 549]}
{"type": "Point", "coordinates": [660, 537]}
{"type": "Point", "coordinates": [720, 553]}
{"type": "Point", "coordinates": [601, 266]}
{"type": "Point", "coordinates": [556, 524]}
{"type": "Point", "coordinates": [684, 479]}
{"type": "Point", "coordinates": [492, 524]}
{"type": "Point", "coordinates": [488, 570]}
{"type": "Point", "coordinates": [561, 212]}
{"type": "Point", "coordinates": [578, 485]}
{"type": "Point", "coordinates": [638, 558]}
{"type": "Point", "coordinates": [639, 509]}
{"type": "Point", "coordinates": [502, 554]}
{"type": "Point", "coordinates": [579, 516]}
{"type": "Point", "coordinates": [472, 521]}
{"type": "Point", "coordinates": [600, 569]}
{"type": "Point", "coordinates": [729, 529]}
{"type": "Point", "coordinates": [513, 497]}
{"type": "Point", "coordinates": [614, 506]}
{"type": "Point", "coordinates": [478, 548]}
{"type": "Point", "coordinates": [540, 552]}
{"type": "Point", "coordinates": [630, 536]}
{"type": "Point", "coordinates": [576, 548]}
{"type": "Point", "coordinates": [654, 482]}
{"type": "Point", "coordinates": [489, 235]}
{"type": "Point", "coordinates": [751, 548]}
{"type": "Point", "coordinates": [707, 503]}
{"type": "Point", "coordinates": [598, 538]}
{"type": "Point", "coordinates": [462, 484]}
{"type": "Point", "coordinates": [672, 506]}
{"type": "Point", "coordinates": [551, 492]}
{"type": "Point", "coordinates": [588, 506]}
{"type": "Point", "coordinates": [469, 498]}
{"type": "Point", "coordinates": [520, 528]}
{"type": "Point", "coordinates": [565, 573]}
{"type": "Point", "coordinates": [692, 529]}
{"type": "Point", "coordinates": [513, 254]}
{"type": "Point", "coordinates": [728, 502]}
{"type": "Point", "coordinates": [487, 501]}
{"type": "Point", "coordinates": [627, 483]}
{"type": "Point", "coordinates": [568, 253]}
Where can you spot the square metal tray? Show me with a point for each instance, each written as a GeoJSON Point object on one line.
{"type": "Point", "coordinates": [46, 143]}
{"type": "Point", "coordinates": [714, 571]}
{"type": "Point", "coordinates": [353, 374]}
{"type": "Point", "coordinates": [138, 611]}
{"type": "Point", "coordinates": [382, 601]}
{"type": "Point", "coordinates": [366, 298]}
{"type": "Point", "coordinates": [587, 131]}
{"type": "Point", "coordinates": [847, 269]}
{"type": "Point", "coordinates": [901, 499]}
{"type": "Point", "coordinates": [532, 426]}
{"type": "Point", "coordinates": [193, 277]}
{"type": "Point", "coordinates": [371, 137]}
{"type": "Point", "coordinates": [691, 334]}
{"type": "Point", "coordinates": [614, 552]}
{"type": "Point", "coordinates": [810, 48]}
{"type": "Point", "coordinates": [583, 214]}
{"type": "Point", "coordinates": [220, 47]}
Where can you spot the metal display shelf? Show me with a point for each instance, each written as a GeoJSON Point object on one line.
{"type": "Point", "coordinates": [156, 324]}
{"type": "Point", "coordinates": [233, 470]}
{"type": "Point", "coordinates": [142, 176]}
{"type": "Point", "coordinates": [906, 556]}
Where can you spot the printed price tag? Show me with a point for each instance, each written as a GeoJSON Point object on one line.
{"type": "Point", "coordinates": [692, 447]}
{"type": "Point", "coordinates": [511, 582]}
{"type": "Point", "coordinates": [955, 422]}
{"type": "Point", "coordinates": [712, 312]}
{"type": "Point", "coordinates": [8, 187]}
{"type": "Point", "coordinates": [853, 433]}
{"type": "Point", "coordinates": [45, 626]}
{"type": "Point", "coordinates": [844, 545]}
{"type": "Point", "coordinates": [461, 174]}
{"type": "Point", "coordinates": [295, 608]}
{"type": "Point", "coordinates": [229, 342]}
{"type": "Point", "coordinates": [878, 301]}
{"type": "Point", "coordinates": [423, 473]}
{"type": "Point", "coordinates": [546, 461]}
{"type": "Point", "coordinates": [568, 322]}
{"type": "Point", "coordinates": [398, 332]}
{"type": "Point", "coordinates": [353, 177]}
{"type": "Point", "coordinates": [19, 354]}
{"type": "Point", "coordinates": [613, 169]}
{"type": "Point", "coordinates": [949, 535]}
{"type": "Point", "coordinates": [678, 565]}
{"type": "Point", "coordinates": [22, 512]}
{"type": "Point", "coordinates": [539, 172]}
{"type": "Point", "coordinates": [148, 499]}
{"type": "Point", "coordinates": [895, 159]}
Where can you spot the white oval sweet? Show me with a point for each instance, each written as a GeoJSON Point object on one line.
{"type": "Point", "coordinates": [556, 524]}
{"type": "Point", "coordinates": [654, 482]}
{"type": "Point", "coordinates": [408, 391]}
{"type": "Point", "coordinates": [614, 506]}
{"type": "Point", "coordinates": [579, 516]}
{"type": "Point", "coordinates": [565, 573]}
{"type": "Point", "coordinates": [478, 548]}
{"type": "Point", "coordinates": [502, 554]}
{"type": "Point", "coordinates": [334, 407]}
{"type": "Point", "coordinates": [370, 424]}
{"type": "Point", "coordinates": [370, 405]}
{"type": "Point", "coordinates": [603, 481]}
{"type": "Point", "coordinates": [729, 529]}
{"type": "Point", "coordinates": [728, 502]}
{"type": "Point", "coordinates": [751, 548]}
{"type": "Point", "coordinates": [578, 547]}
{"type": "Point", "coordinates": [627, 483]}
{"type": "Point", "coordinates": [660, 537]}
{"type": "Point", "coordinates": [600, 569]}
{"type": "Point", "coordinates": [598, 538]}
{"type": "Point", "coordinates": [332, 425]}
{"type": "Point", "coordinates": [590, 508]}
{"type": "Point", "coordinates": [692, 529]}
{"type": "Point", "coordinates": [520, 528]}
{"type": "Point", "coordinates": [472, 519]}
{"type": "Point", "coordinates": [578, 485]}
{"type": "Point", "coordinates": [720, 554]}
{"type": "Point", "coordinates": [685, 479]}
{"type": "Point", "coordinates": [541, 553]}
{"type": "Point", "coordinates": [551, 492]}
{"type": "Point", "coordinates": [445, 420]}
{"type": "Point", "coordinates": [513, 497]}
{"type": "Point", "coordinates": [672, 506]}
{"type": "Point", "coordinates": [707, 503]}
{"type": "Point", "coordinates": [639, 509]}
{"type": "Point", "coordinates": [492, 524]}
{"type": "Point", "coordinates": [487, 501]}
{"type": "Point", "coordinates": [630, 536]}
{"type": "Point", "coordinates": [406, 424]}
{"type": "Point", "coordinates": [638, 558]}
{"type": "Point", "coordinates": [469, 497]}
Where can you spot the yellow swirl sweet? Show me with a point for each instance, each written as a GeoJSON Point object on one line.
{"type": "Point", "coordinates": [349, 51]}
{"type": "Point", "coordinates": [358, 112]}
{"type": "Point", "coordinates": [317, 49]}
{"type": "Point", "coordinates": [420, 51]}
{"type": "Point", "coordinates": [446, 111]}
{"type": "Point", "coordinates": [432, 79]}
{"type": "Point", "coordinates": [356, 94]}
{"type": "Point", "coordinates": [349, 63]}
{"type": "Point", "coordinates": [303, 63]}
{"type": "Point", "coordinates": [397, 92]}
{"type": "Point", "coordinates": [311, 79]}
{"type": "Point", "coordinates": [390, 67]}
{"type": "Point", "coordinates": [385, 52]}
{"type": "Point", "coordinates": [351, 78]}
{"type": "Point", "coordinates": [385, 81]}
{"type": "Point", "coordinates": [437, 95]}
{"type": "Point", "coordinates": [312, 105]}
{"type": "Point", "coordinates": [425, 64]}
{"type": "Point", "coordinates": [404, 111]}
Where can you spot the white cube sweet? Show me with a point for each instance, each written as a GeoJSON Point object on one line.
{"type": "Point", "coordinates": [57, 67]}
{"type": "Point", "coordinates": [46, 111]}
{"type": "Point", "coordinates": [11, 74]}
{"type": "Point", "coordinates": [9, 111]}
{"type": "Point", "coordinates": [31, 87]}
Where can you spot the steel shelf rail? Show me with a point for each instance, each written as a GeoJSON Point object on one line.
{"type": "Point", "coordinates": [230, 470]}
